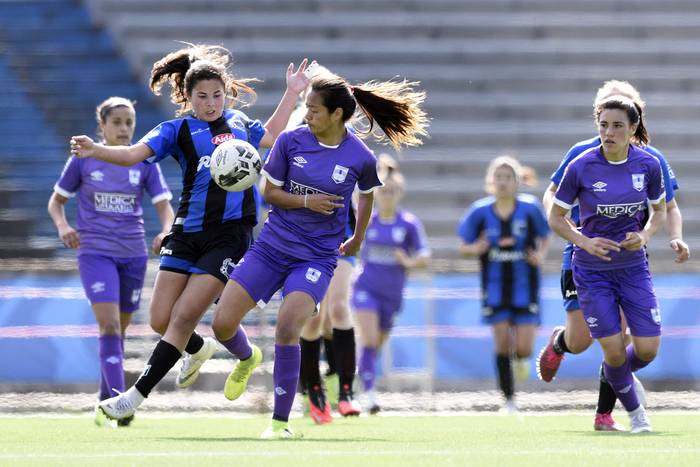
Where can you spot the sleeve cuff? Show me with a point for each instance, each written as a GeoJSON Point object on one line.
{"type": "Point", "coordinates": [62, 192]}
{"type": "Point", "coordinates": [659, 199]}
{"type": "Point", "coordinates": [272, 179]}
{"type": "Point", "coordinates": [162, 197]}
{"type": "Point", "coordinates": [562, 204]}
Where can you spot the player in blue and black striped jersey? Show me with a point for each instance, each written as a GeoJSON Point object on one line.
{"type": "Point", "coordinates": [213, 228]}
{"type": "Point", "coordinates": [509, 233]}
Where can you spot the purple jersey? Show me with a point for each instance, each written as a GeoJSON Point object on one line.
{"type": "Point", "coordinates": [302, 165]}
{"type": "Point", "coordinates": [381, 272]}
{"type": "Point", "coordinates": [612, 197]}
{"type": "Point", "coordinates": [110, 216]}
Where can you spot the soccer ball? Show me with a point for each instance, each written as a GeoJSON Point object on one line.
{"type": "Point", "coordinates": [235, 165]}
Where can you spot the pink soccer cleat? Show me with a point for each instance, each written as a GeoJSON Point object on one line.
{"type": "Point", "coordinates": [548, 361]}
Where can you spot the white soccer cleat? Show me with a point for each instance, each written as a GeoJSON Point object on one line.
{"type": "Point", "coordinates": [189, 371]}
{"type": "Point", "coordinates": [639, 421]}
{"type": "Point", "coordinates": [117, 407]}
{"type": "Point", "coordinates": [639, 389]}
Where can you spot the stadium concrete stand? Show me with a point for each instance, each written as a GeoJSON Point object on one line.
{"type": "Point", "coordinates": [56, 65]}
{"type": "Point", "coordinates": [515, 76]}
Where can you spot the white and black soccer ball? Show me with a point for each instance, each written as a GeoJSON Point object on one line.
{"type": "Point", "coordinates": [235, 165]}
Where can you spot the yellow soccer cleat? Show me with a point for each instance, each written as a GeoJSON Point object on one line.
{"type": "Point", "coordinates": [238, 379]}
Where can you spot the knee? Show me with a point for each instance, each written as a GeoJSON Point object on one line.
{"type": "Point", "coordinates": [223, 328]}
{"type": "Point", "coordinates": [340, 315]}
{"type": "Point", "coordinates": [646, 354]}
{"type": "Point", "coordinates": [159, 326]}
{"type": "Point", "coordinates": [616, 358]}
{"type": "Point", "coordinates": [183, 322]}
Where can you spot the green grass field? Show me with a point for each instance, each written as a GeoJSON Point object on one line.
{"type": "Point", "coordinates": [564, 440]}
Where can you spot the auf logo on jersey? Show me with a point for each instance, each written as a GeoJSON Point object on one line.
{"type": "Point", "coordinates": [613, 211]}
{"type": "Point", "coordinates": [223, 137]}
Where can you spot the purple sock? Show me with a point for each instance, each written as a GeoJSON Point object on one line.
{"type": "Point", "coordinates": [367, 374]}
{"type": "Point", "coordinates": [635, 362]}
{"type": "Point", "coordinates": [620, 379]}
{"type": "Point", "coordinates": [286, 377]}
{"type": "Point", "coordinates": [111, 364]}
{"type": "Point", "coordinates": [239, 345]}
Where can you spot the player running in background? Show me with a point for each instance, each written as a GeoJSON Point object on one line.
{"type": "Point", "coordinates": [311, 175]}
{"type": "Point", "coordinates": [394, 245]}
{"type": "Point", "coordinates": [575, 337]}
{"type": "Point", "coordinates": [508, 232]}
{"type": "Point", "coordinates": [612, 184]}
{"type": "Point", "coordinates": [110, 238]}
{"type": "Point", "coordinates": [212, 228]}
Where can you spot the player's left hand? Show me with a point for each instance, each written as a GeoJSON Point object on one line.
{"type": "Point", "coordinates": [535, 257]}
{"type": "Point", "coordinates": [681, 249]}
{"type": "Point", "coordinates": [157, 242]}
{"type": "Point", "coordinates": [403, 259]}
{"type": "Point", "coordinates": [351, 246]}
{"type": "Point", "coordinates": [633, 241]}
{"type": "Point", "coordinates": [297, 81]}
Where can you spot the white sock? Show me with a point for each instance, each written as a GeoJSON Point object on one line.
{"type": "Point", "coordinates": [134, 396]}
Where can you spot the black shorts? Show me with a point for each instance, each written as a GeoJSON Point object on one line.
{"type": "Point", "coordinates": [568, 290]}
{"type": "Point", "coordinates": [210, 251]}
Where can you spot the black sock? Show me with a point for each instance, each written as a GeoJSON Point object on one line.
{"type": "Point", "coordinates": [163, 358]}
{"type": "Point", "coordinates": [309, 374]}
{"type": "Point", "coordinates": [606, 395]}
{"type": "Point", "coordinates": [505, 375]}
{"type": "Point", "coordinates": [330, 356]}
{"type": "Point", "coordinates": [559, 344]}
{"type": "Point", "coordinates": [345, 358]}
{"type": "Point", "coordinates": [195, 343]}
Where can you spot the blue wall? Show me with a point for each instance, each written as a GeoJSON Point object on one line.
{"type": "Point", "coordinates": [47, 332]}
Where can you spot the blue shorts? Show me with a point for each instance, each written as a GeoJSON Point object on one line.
{"type": "Point", "coordinates": [568, 290]}
{"type": "Point", "coordinates": [264, 270]}
{"type": "Point", "coordinates": [602, 293]}
{"type": "Point", "coordinates": [516, 316]}
{"type": "Point", "coordinates": [385, 307]}
{"type": "Point", "coordinates": [110, 279]}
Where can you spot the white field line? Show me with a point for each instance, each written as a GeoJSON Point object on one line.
{"type": "Point", "coordinates": [345, 453]}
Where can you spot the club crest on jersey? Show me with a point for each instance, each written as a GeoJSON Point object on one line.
{"type": "Point", "coordinates": [339, 173]}
{"type": "Point", "coordinates": [313, 275]}
{"type": "Point", "coordinates": [638, 181]}
{"type": "Point", "coordinates": [223, 137]}
{"type": "Point", "coordinates": [398, 234]}
{"type": "Point", "coordinates": [134, 176]}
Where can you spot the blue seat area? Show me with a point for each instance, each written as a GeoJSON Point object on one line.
{"type": "Point", "coordinates": [56, 66]}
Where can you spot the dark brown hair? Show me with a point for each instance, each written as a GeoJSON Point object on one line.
{"type": "Point", "coordinates": [184, 68]}
{"type": "Point", "coordinates": [634, 113]}
{"type": "Point", "coordinates": [105, 107]}
{"type": "Point", "coordinates": [395, 106]}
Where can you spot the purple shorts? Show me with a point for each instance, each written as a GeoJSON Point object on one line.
{"type": "Point", "coordinates": [386, 307]}
{"type": "Point", "coordinates": [264, 270]}
{"type": "Point", "coordinates": [602, 293]}
{"type": "Point", "coordinates": [109, 279]}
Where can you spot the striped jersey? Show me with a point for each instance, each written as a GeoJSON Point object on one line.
{"type": "Point", "coordinates": [191, 142]}
{"type": "Point", "coordinates": [507, 280]}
